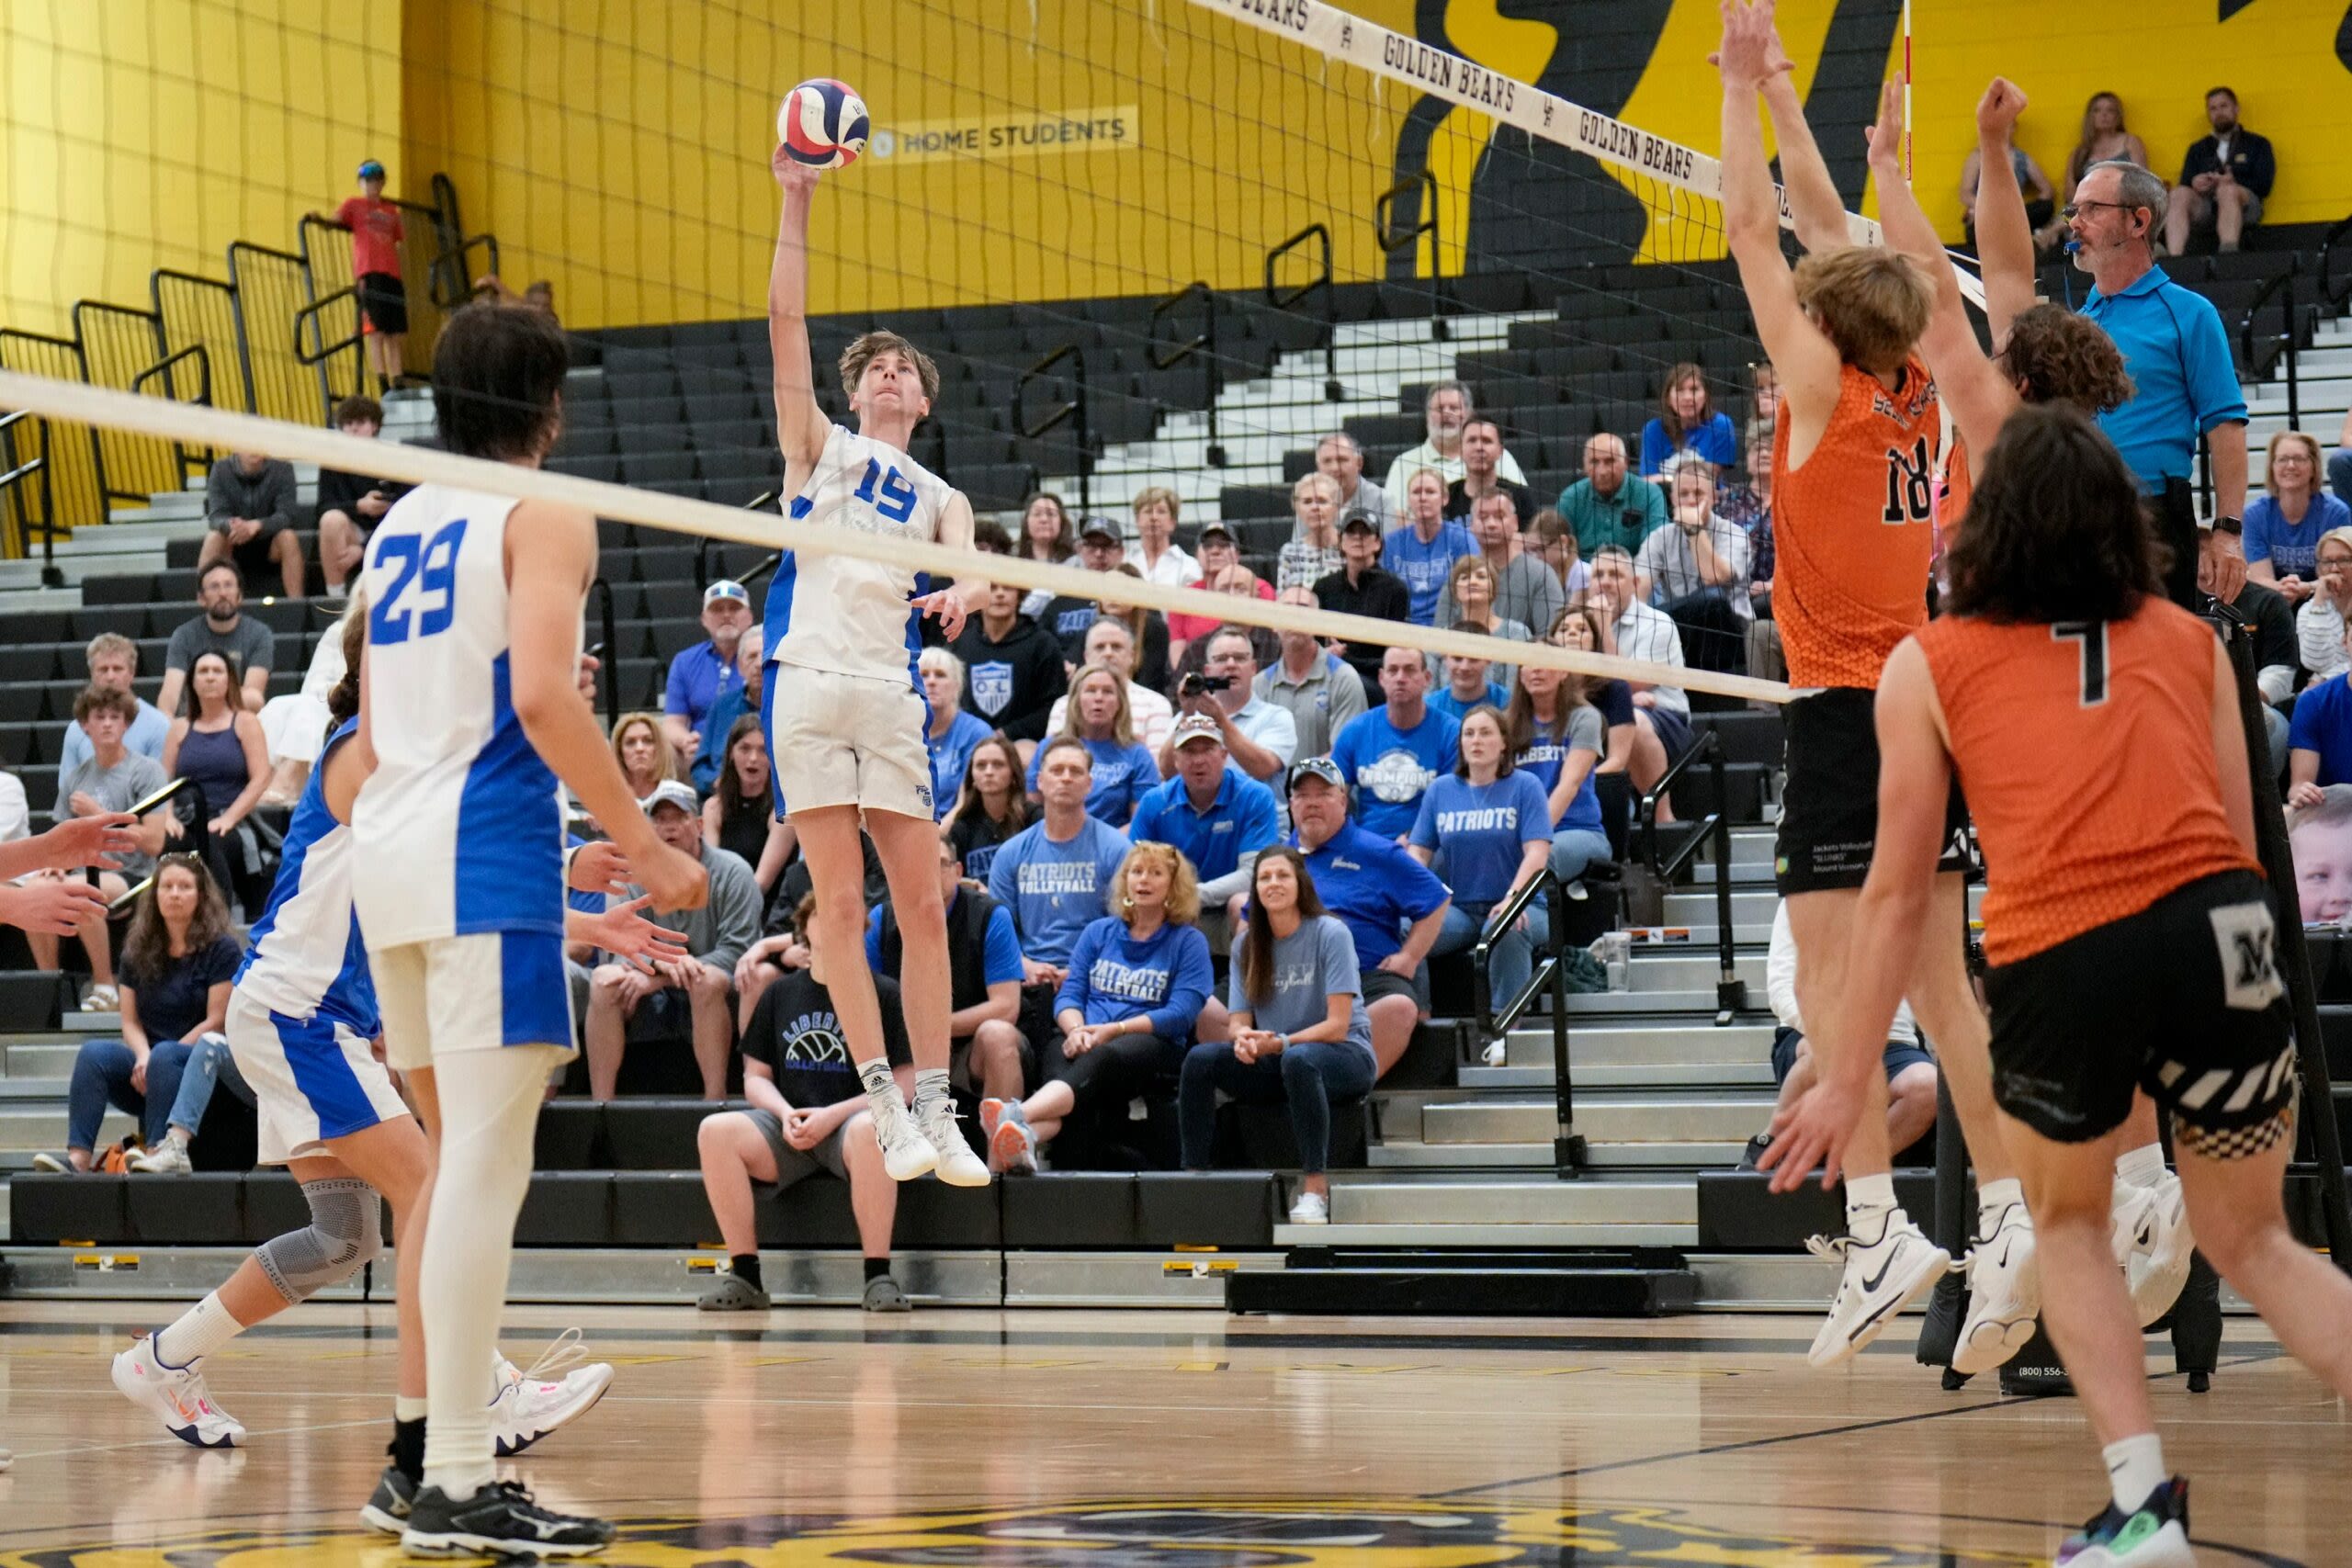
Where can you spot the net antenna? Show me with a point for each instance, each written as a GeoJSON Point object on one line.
{"type": "Point", "coordinates": [1686, 172]}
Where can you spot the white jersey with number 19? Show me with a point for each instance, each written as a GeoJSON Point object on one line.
{"type": "Point", "coordinates": [460, 828]}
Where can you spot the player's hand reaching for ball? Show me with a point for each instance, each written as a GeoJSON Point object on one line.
{"type": "Point", "coordinates": [1750, 54]}
{"type": "Point", "coordinates": [1997, 110]}
{"type": "Point", "coordinates": [1886, 136]}
{"type": "Point", "coordinates": [672, 879]}
{"type": "Point", "coordinates": [795, 177]}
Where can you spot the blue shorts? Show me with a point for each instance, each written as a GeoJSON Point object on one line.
{"type": "Point", "coordinates": [1899, 1055]}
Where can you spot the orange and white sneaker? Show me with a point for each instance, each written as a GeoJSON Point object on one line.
{"type": "Point", "coordinates": [175, 1396]}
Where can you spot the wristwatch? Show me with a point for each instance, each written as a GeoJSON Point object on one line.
{"type": "Point", "coordinates": [1283, 1041]}
{"type": "Point", "coordinates": [2232, 526]}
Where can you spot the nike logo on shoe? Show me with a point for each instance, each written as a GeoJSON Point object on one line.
{"type": "Point", "coordinates": [1871, 1282]}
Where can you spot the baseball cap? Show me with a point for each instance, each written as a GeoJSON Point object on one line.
{"type": "Point", "coordinates": [1103, 528]}
{"type": "Point", "coordinates": [725, 587]}
{"type": "Point", "coordinates": [1219, 529]}
{"type": "Point", "coordinates": [1316, 768]}
{"type": "Point", "coordinates": [670, 792]}
{"type": "Point", "coordinates": [1359, 519]}
{"type": "Point", "coordinates": [371, 170]}
{"type": "Point", "coordinates": [1194, 727]}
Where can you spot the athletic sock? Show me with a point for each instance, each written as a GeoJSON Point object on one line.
{"type": "Point", "coordinates": [881, 1088]}
{"type": "Point", "coordinates": [930, 1085]}
{"type": "Point", "coordinates": [407, 1446]}
{"type": "Point", "coordinates": [1870, 1198]}
{"type": "Point", "coordinates": [877, 1268]}
{"type": "Point", "coordinates": [196, 1334]}
{"type": "Point", "coordinates": [1992, 1199]}
{"type": "Point", "coordinates": [2135, 1467]}
{"type": "Point", "coordinates": [2143, 1166]}
{"type": "Point", "coordinates": [745, 1265]}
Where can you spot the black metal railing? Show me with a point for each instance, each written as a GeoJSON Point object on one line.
{"type": "Point", "coordinates": [2284, 341]}
{"type": "Point", "coordinates": [190, 310]}
{"type": "Point", "coordinates": [268, 290]}
{"type": "Point", "coordinates": [332, 309]}
{"type": "Point", "coordinates": [1396, 236]}
{"type": "Point", "coordinates": [183, 458]}
{"type": "Point", "coordinates": [1072, 411]}
{"type": "Point", "coordinates": [2329, 292]}
{"type": "Point", "coordinates": [118, 342]}
{"type": "Point", "coordinates": [1731, 991]}
{"type": "Point", "coordinates": [1283, 298]}
{"type": "Point", "coordinates": [1550, 974]}
{"type": "Point", "coordinates": [73, 467]}
{"type": "Point", "coordinates": [453, 275]}
{"type": "Point", "coordinates": [12, 499]}
{"type": "Point", "coordinates": [608, 670]}
{"type": "Point", "coordinates": [1169, 353]}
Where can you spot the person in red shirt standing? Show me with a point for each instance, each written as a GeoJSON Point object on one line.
{"type": "Point", "coordinates": [376, 236]}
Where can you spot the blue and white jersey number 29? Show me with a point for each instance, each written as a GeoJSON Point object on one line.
{"type": "Point", "coordinates": [429, 566]}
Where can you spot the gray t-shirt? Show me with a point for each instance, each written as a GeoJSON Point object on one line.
{"type": "Point", "coordinates": [1310, 965]}
{"type": "Point", "coordinates": [117, 788]}
{"type": "Point", "coordinates": [1587, 731]}
{"type": "Point", "coordinates": [727, 923]}
{"type": "Point", "coordinates": [248, 642]}
{"type": "Point", "coordinates": [1671, 564]}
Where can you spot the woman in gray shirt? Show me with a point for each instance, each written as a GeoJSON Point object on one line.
{"type": "Point", "coordinates": [1301, 1036]}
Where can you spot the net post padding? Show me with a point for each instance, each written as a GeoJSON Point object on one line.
{"type": "Point", "coordinates": [195, 424]}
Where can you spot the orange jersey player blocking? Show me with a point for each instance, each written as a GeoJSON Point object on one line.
{"type": "Point", "coordinates": [2127, 923]}
{"type": "Point", "coordinates": [1854, 494]}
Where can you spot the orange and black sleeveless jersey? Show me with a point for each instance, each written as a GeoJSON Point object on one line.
{"type": "Point", "coordinates": [1959, 488]}
{"type": "Point", "coordinates": [2085, 752]}
{"type": "Point", "coordinates": [1853, 531]}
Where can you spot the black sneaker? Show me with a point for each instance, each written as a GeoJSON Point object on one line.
{"type": "Point", "coordinates": [500, 1520]}
{"type": "Point", "coordinates": [1755, 1150]}
{"type": "Point", "coordinates": [387, 1512]}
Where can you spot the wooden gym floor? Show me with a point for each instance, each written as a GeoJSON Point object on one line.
{"type": "Point", "coordinates": [1164, 1439]}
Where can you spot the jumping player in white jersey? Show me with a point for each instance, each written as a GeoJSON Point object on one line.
{"type": "Point", "coordinates": [846, 712]}
{"type": "Point", "coordinates": [469, 714]}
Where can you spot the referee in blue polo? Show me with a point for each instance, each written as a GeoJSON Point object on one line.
{"type": "Point", "coordinates": [2174, 345]}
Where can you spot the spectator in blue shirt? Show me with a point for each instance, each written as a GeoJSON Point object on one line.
{"type": "Point", "coordinates": [1393, 905]}
{"type": "Point", "coordinates": [1215, 815]}
{"type": "Point", "coordinates": [114, 664]}
{"type": "Point", "coordinates": [1138, 980]}
{"type": "Point", "coordinates": [1424, 550]}
{"type": "Point", "coordinates": [2223, 180]}
{"type": "Point", "coordinates": [1559, 739]}
{"type": "Point", "coordinates": [1492, 826]}
{"type": "Point", "coordinates": [739, 700]}
{"type": "Point", "coordinates": [1098, 719]}
{"type": "Point", "coordinates": [1468, 684]}
{"type": "Point", "coordinates": [1052, 873]}
{"type": "Point", "coordinates": [1688, 422]}
{"type": "Point", "coordinates": [700, 674]}
{"type": "Point", "coordinates": [2283, 526]}
{"type": "Point", "coordinates": [1390, 755]}
{"type": "Point", "coordinates": [986, 1054]}
{"type": "Point", "coordinates": [2319, 738]}
{"type": "Point", "coordinates": [953, 732]}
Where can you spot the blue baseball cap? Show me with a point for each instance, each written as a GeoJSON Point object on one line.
{"type": "Point", "coordinates": [371, 170]}
{"type": "Point", "coordinates": [726, 587]}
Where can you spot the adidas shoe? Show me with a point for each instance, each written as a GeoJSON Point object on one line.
{"type": "Point", "coordinates": [958, 1165]}
{"type": "Point", "coordinates": [499, 1520]}
{"type": "Point", "coordinates": [906, 1153]}
{"type": "Point", "coordinates": [1012, 1144]}
{"type": "Point", "coordinates": [387, 1512]}
{"type": "Point", "coordinates": [2004, 1295]}
{"type": "Point", "coordinates": [1882, 1276]}
{"type": "Point", "coordinates": [2153, 1535]}
{"type": "Point", "coordinates": [175, 1396]}
{"type": "Point", "coordinates": [2152, 1244]}
{"type": "Point", "coordinates": [532, 1403]}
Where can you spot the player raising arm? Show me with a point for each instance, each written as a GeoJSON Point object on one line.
{"type": "Point", "coordinates": [846, 715]}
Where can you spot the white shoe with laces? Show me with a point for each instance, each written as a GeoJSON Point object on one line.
{"type": "Point", "coordinates": [1882, 1277]}
{"type": "Point", "coordinates": [958, 1165]}
{"type": "Point", "coordinates": [552, 1392]}
{"type": "Point", "coordinates": [166, 1158]}
{"type": "Point", "coordinates": [2004, 1295]}
{"type": "Point", "coordinates": [175, 1396]}
{"type": "Point", "coordinates": [1312, 1209]}
{"type": "Point", "coordinates": [906, 1153]}
{"type": "Point", "coordinates": [2152, 1244]}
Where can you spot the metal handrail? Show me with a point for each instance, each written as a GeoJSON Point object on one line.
{"type": "Point", "coordinates": [1731, 991]}
{"type": "Point", "coordinates": [2327, 255]}
{"type": "Point", "coordinates": [203, 391]}
{"type": "Point", "coordinates": [1283, 300]}
{"type": "Point", "coordinates": [2286, 338]}
{"type": "Point", "coordinates": [1074, 409]}
{"type": "Point", "coordinates": [161, 797]}
{"type": "Point", "coordinates": [49, 575]}
{"type": "Point", "coordinates": [1394, 239]}
{"type": "Point", "coordinates": [1552, 972]}
{"type": "Point", "coordinates": [608, 674]}
{"type": "Point", "coordinates": [309, 314]}
{"type": "Point", "coordinates": [155, 281]}
{"type": "Point", "coordinates": [1202, 345]}
{"type": "Point", "coordinates": [450, 264]}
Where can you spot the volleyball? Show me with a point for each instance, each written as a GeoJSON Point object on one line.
{"type": "Point", "coordinates": [823, 123]}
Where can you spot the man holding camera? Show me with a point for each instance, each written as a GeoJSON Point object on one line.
{"type": "Point", "coordinates": [1259, 738]}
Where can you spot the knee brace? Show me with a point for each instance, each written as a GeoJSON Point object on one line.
{"type": "Point", "coordinates": [344, 1231]}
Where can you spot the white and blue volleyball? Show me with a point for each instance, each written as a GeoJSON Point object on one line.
{"type": "Point", "coordinates": [822, 124]}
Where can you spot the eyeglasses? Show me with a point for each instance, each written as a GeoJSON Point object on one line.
{"type": "Point", "coordinates": [2073, 209]}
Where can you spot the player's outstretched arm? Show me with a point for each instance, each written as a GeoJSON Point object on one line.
{"type": "Point", "coordinates": [2004, 236]}
{"type": "Point", "coordinates": [1814, 202]}
{"type": "Point", "coordinates": [957, 602]}
{"type": "Point", "coordinates": [800, 425]}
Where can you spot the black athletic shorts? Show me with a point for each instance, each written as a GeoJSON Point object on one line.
{"type": "Point", "coordinates": [1378, 982]}
{"type": "Point", "coordinates": [1829, 803]}
{"type": "Point", "coordinates": [2182, 1000]}
{"type": "Point", "coordinates": [1899, 1057]}
{"type": "Point", "coordinates": [384, 298]}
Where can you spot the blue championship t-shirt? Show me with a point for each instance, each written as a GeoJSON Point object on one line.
{"type": "Point", "coordinates": [1390, 769]}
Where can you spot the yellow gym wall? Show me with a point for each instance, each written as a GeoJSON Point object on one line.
{"type": "Point", "coordinates": [141, 134]}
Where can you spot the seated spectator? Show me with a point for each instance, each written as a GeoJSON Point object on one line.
{"type": "Point", "coordinates": [1259, 737]}
{"type": "Point", "coordinates": [2319, 624]}
{"type": "Point", "coordinates": [1319, 691]}
{"type": "Point", "coordinates": [1370, 883]}
{"type": "Point", "coordinates": [2224, 179]}
{"type": "Point", "coordinates": [210, 1066]}
{"type": "Point", "coordinates": [1390, 755]}
{"type": "Point", "coordinates": [223, 628]}
{"type": "Point", "coordinates": [1013, 668]}
{"type": "Point", "coordinates": [1662, 712]}
{"type": "Point", "coordinates": [1608, 505]}
{"type": "Point", "coordinates": [1137, 983]}
{"type": "Point", "coordinates": [1696, 570]}
{"type": "Point", "coordinates": [807, 1113]}
{"type": "Point", "coordinates": [1491, 824]}
{"type": "Point", "coordinates": [216, 745]}
{"type": "Point", "coordinates": [2339, 462]}
{"type": "Point", "coordinates": [1052, 875]}
{"type": "Point", "coordinates": [1559, 737]}
{"type": "Point", "coordinates": [1362, 587]}
{"type": "Point", "coordinates": [2319, 837]}
{"type": "Point", "coordinates": [1448, 410]}
{"type": "Point", "coordinates": [1687, 421]}
{"type": "Point", "coordinates": [741, 699]}
{"type": "Point", "coordinates": [637, 1003]}
{"type": "Point", "coordinates": [1098, 719]}
{"type": "Point", "coordinates": [112, 778]}
{"type": "Point", "coordinates": [1111, 645]}
{"type": "Point", "coordinates": [701, 674]}
{"type": "Point", "coordinates": [1482, 451]}
{"type": "Point", "coordinates": [1470, 600]}
{"type": "Point", "coordinates": [2320, 737]}
{"type": "Point", "coordinates": [1550, 540]}
{"type": "Point", "coordinates": [953, 732]}
{"type": "Point", "coordinates": [1633, 758]}
{"type": "Point", "coordinates": [1526, 590]}
{"type": "Point", "coordinates": [1315, 553]}
{"type": "Point", "coordinates": [2105, 138]}
{"type": "Point", "coordinates": [1068, 619]}
{"type": "Point", "coordinates": [1215, 815]}
{"type": "Point", "coordinates": [1339, 457]}
{"type": "Point", "coordinates": [740, 816]}
{"type": "Point", "coordinates": [1910, 1071]}
{"type": "Point", "coordinates": [2041, 196]}
{"type": "Point", "coordinates": [2284, 525]}
{"type": "Point", "coordinates": [992, 808]}
{"type": "Point", "coordinates": [350, 506]}
{"type": "Point", "coordinates": [1302, 1036]}
{"type": "Point", "coordinates": [113, 661]}
{"type": "Point", "coordinates": [1239, 582]}
{"type": "Point", "coordinates": [249, 514]}
{"type": "Point", "coordinates": [2275, 666]}
{"type": "Point", "coordinates": [296, 725]}
{"type": "Point", "coordinates": [179, 960]}
{"type": "Point", "coordinates": [987, 1053]}
{"type": "Point", "coordinates": [1469, 684]}
{"type": "Point", "coordinates": [1220, 557]}
{"type": "Point", "coordinates": [1155, 555]}
{"type": "Point", "coordinates": [641, 746]}
{"type": "Point", "coordinates": [1747, 505]}
{"type": "Point", "coordinates": [1047, 534]}
{"type": "Point", "coordinates": [1423, 551]}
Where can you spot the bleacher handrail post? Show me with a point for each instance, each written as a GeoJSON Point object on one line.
{"type": "Point", "coordinates": [1283, 298]}
{"type": "Point", "coordinates": [1203, 345]}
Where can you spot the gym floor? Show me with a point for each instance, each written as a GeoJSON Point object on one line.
{"type": "Point", "coordinates": [1164, 1438]}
